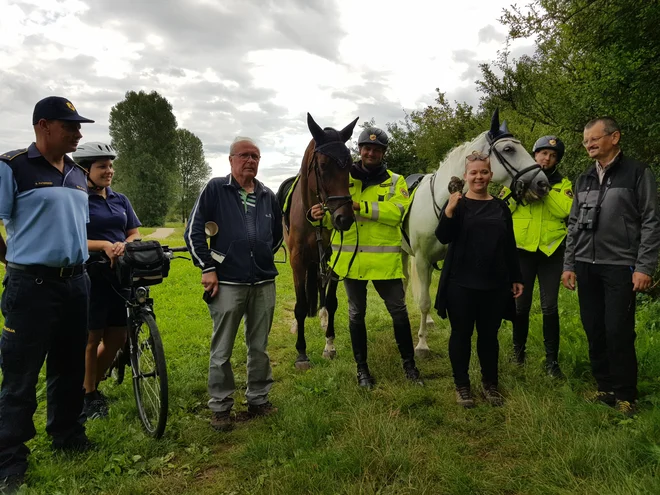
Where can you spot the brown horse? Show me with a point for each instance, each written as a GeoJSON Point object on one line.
{"type": "Point", "coordinates": [323, 178]}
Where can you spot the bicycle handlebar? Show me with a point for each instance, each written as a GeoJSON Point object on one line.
{"type": "Point", "coordinates": [181, 249]}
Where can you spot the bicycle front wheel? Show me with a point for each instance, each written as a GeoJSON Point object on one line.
{"type": "Point", "coordinates": [149, 374]}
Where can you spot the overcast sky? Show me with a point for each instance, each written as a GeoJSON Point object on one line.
{"type": "Point", "coordinates": [247, 67]}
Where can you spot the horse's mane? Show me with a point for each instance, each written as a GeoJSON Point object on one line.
{"type": "Point", "coordinates": [461, 151]}
{"type": "Point", "coordinates": [307, 156]}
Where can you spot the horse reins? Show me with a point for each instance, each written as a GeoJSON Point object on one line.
{"type": "Point", "coordinates": [324, 202]}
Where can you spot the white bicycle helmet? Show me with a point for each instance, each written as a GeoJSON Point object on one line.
{"type": "Point", "coordinates": [88, 153]}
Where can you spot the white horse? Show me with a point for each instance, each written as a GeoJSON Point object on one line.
{"type": "Point", "coordinates": [512, 166]}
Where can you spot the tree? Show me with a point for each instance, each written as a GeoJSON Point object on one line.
{"type": "Point", "coordinates": [593, 58]}
{"type": "Point", "coordinates": [143, 130]}
{"type": "Point", "coordinates": [402, 154]}
{"type": "Point", "coordinates": [193, 170]}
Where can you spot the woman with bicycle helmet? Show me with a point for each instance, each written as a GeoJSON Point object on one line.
{"type": "Point", "coordinates": [112, 223]}
{"type": "Point", "coordinates": [540, 229]}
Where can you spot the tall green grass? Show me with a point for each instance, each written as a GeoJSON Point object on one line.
{"type": "Point", "coordinates": [331, 437]}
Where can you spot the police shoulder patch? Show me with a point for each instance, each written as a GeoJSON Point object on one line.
{"type": "Point", "coordinates": [10, 155]}
{"type": "Point", "coordinates": [568, 193]}
{"type": "Point", "coordinates": [404, 192]}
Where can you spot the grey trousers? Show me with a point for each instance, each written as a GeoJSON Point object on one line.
{"type": "Point", "coordinates": [255, 303]}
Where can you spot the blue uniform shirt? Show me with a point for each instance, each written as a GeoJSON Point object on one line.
{"type": "Point", "coordinates": [110, 218]}
{"type": "Point", "coordinates": [44, 210]}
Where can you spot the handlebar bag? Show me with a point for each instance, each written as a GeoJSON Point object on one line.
{"type": "Point", "coordinates": [143, 263]}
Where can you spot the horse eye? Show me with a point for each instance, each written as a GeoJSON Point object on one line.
{"type": "Point", "coordinates": [508, 149]}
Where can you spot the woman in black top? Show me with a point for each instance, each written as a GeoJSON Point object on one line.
{"type": "Point", "coordinates": [480, 272]}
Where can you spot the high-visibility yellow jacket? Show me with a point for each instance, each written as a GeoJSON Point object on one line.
{"type": "Point", "coordinates": [541, 225]}
{"type": "Point", "coordinates": [373, 242]}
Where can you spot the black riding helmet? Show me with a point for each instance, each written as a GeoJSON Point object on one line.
{"type": "Point", "coordinates": [373, 135]}
{"type": "Point", "coordinates": [550, 143]}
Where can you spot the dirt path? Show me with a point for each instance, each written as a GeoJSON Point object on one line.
{"type": "Point", "coordinates": [161, 233]}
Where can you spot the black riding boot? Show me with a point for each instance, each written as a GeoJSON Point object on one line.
{"type": "Point", "coordinates": [551, 341]}
{"type": "Point", "coordinates": [403, 337]}
{"type": "Point", "coordinates": [520, 331]}
{"type": "Point", "coordinates": [359, 343]}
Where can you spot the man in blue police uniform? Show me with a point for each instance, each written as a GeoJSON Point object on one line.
{"type": "Point", "coordinates": [43, 203]}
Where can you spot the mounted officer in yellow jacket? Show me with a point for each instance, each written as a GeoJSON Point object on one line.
{"type": "Point", "coordinates": [540, 230]}
{"type": "Point", "coordinates": [371, 250]}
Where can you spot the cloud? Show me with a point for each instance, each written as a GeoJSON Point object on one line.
{"type": "Point", "coordinates": [239, 66]}
{"type": "Point", "coordinates": [490, 33]}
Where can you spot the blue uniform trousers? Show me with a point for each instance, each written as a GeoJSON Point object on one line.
{"type": "Point", "coordinates": [45, 319]}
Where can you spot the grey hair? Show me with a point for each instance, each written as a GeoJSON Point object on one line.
{"type": "Point", "coordinates": [609, 123]}
{"type": "Point", "coordinates": [241, 139]}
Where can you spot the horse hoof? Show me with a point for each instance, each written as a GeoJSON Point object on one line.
{"type": "Point", "coordinates": [330, 354]}
{"type": "Point", "coordinates": [423, 353]}
{"type": "Point", "coordinates": [303, 365]}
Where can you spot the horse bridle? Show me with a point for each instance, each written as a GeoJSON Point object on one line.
{"type": "Point", "coordinates": [510, 169]}
{"type": "Point", "coordinates": [513, 173]}
{"type": "Point", "coordinates": [325, 272]}
{"type": "Point", "coordinates": [321, 193]}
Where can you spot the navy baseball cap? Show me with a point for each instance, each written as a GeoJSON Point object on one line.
{"type": "Point", "coordinates": [57, 108]}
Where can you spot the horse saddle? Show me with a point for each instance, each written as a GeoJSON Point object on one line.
{"type": "Point", "coordinates": [283, 196]}
{"type": "Point", "coordinates": [412, 181]}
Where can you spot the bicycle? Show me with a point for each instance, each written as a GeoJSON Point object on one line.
{"type": "Point", "coordinates": [144, 353]}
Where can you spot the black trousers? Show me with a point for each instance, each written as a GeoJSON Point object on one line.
{"type": "Point", "coordinates": [45, 320]}
{"type": "Point", "coordinates": [607, 309]}
{"type": "Point", "coordinates": [465, 308]}
{"type": "Point", "coordinates": [548, 269]}
{"type": "Point", "coordinates": [394, 297]}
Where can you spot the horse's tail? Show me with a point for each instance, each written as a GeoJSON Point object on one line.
{"type": "Point", "coordinates": [312, 290]}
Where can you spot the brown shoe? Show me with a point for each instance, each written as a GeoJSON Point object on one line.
{"type": "Point", "coordinates": [257, 410]}
{"type": "Point", "coordinates": [464, 397]}
{"type": "Point", "coordinates": [493, 396]}
{"type": "Point", "coordinates": [222, 421]}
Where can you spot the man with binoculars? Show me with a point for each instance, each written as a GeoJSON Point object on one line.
{"type": "Point", "coordinates": [612, 250]}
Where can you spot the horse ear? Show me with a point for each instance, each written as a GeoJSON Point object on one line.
{"type": "Point", "coordinates": [495, 123]}
{"type": "Point", "coordinates": [347, 131]}
{"type": "Point", "coordinates": [315, 129]}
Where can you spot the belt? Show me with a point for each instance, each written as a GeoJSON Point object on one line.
{"type": "Point", "coordinates": [43, 271]}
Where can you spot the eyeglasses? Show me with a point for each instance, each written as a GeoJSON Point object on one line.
{"type": "Point", "coordinates": [595, 139]}
{"type": "Point", "coordinates": [476, 156]}
{"type": "Point", "coordinates": [246, 156]}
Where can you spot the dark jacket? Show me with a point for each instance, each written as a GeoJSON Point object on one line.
{"type": "Point", "coordinates": [231, 255]}
{"type": "Point", "coordinates": [509, 272]}
{"type": "Point", "coordinates": [628, 226]}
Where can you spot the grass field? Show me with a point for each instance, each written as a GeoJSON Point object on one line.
{"type": "Point", "coordinates": [330, 437]}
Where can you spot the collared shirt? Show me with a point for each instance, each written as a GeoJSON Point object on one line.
{"type": "Point", "coordinates": [110, 218]}
{"type": "Point", "coordinates": [600, 170]}
{"type": "Point", "coordinates": [249, 206]}
{"type": "Point", "coordinates": [44, 210]}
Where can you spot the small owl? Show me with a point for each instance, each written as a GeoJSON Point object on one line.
{"type": "Point", "coordinates": [456, 184]}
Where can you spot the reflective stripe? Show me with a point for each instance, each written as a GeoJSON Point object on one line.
{"type": "Point", "coordinates": [360, 218]}
{"type": "Point", "coordinates": [400, 207]}
{"type": "Point", "coordinates": [395, 179]}
{"type": "Point", "coordinates": [366, 249]}
{"type": "Point", "coordinates": [374, 210]}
